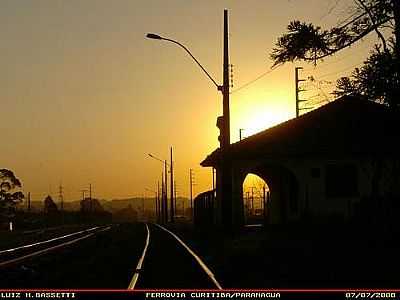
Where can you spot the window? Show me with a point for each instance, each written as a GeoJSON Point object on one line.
{"type": "Point", "coordinates": [341, 180]}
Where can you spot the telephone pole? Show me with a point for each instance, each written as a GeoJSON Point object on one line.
{"type": "Point", "coordinates": [298, 90]}
{"type": "Point", "coordinates": [165, 200]}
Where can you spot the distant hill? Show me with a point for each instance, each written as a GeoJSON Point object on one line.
{"type": "Point", "coordinates": [148, 203]}
{"type": "Point", "coordinates": [111, 205]}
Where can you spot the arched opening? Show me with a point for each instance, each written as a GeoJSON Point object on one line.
{"type": "Point", "coordinates": [255, 198]}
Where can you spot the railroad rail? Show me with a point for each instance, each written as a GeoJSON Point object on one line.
{"type": "Point", "coordinates": [18, 254]}
{"type": "Point", "coordinates": [180, 243]}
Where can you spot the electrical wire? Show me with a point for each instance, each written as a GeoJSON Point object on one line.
{"type": "Point", "coordinates": [253, 81]}
{"type": "Point", "coordinates": [343, 70]}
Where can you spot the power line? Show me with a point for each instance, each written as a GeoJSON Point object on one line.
{"type": "Point", "coordinates": [323, 65]}
{"type": "Point", "coordinates": [253, 81]}
{"type": "Point", "coordinates": [343, 70]}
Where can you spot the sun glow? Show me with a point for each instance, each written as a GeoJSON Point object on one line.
{"type": "Point", "coordinates": [258, 111]}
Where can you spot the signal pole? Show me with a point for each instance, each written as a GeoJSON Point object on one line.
{"type": "Point", "coordinates": [297, 89]}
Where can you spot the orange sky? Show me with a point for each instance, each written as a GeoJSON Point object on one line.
{"type": "Point", "coordinates": [85, 96]}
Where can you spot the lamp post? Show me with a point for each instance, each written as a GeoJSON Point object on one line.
{"type": "Point", "coordinates": [224, 88]}
{"type": "Point", "coordinates": [158, 37]}
{"type": "Point", "coordinates": [224, 191]}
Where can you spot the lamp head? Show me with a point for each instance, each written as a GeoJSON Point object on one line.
{"type": "Point", "coordinates": [153, 36]}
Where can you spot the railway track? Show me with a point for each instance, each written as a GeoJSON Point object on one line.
{"type": "Point", "coordinates": [163, 261]}
{"type": "Point", "coordinates": [173, 259]}
{"type": "Point", "coordinates": [13, 256]}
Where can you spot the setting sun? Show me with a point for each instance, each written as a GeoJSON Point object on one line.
{"type": "Point", "coordinates": [259, 109]}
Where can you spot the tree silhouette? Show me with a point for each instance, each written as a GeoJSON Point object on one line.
{"type": "Point", "coordinates": [8, 196]}
{"type": "Point", "coordinates": [307, 42]}
{"type": "Point", "coordinates": [91, 205]}
{"type": "Point", "coordinates": [49, 205]}
{"type": "Point", "coordinates": [374, 79]}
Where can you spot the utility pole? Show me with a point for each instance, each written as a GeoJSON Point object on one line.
{"type": "Point", "coordinates": [165, 193]}
{"type": "Point", "coordinates": [162, 207]}
{"type": "Point", "coordinates": [225, 88]}
{"type": "Point", "coordinates": [226, 168]}
{"type": "Point", "coordinates": [172, 187]}
{"type": "Point", "coordinates": [298, 90]}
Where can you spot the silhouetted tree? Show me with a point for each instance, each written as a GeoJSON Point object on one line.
{"type": "Point", "coordinates": [8, 196]}
{"type": "Point", "coordinates": [307, 42]}
{"type": "Point", "coordinates": [50, 206]}
{"type": "Point", "coordinates": [374, 79]}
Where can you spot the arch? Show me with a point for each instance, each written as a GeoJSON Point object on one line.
{"type": "Point", "coordinates": [255, 196]}
{"type": "Point", "coordinates": [282, 200]}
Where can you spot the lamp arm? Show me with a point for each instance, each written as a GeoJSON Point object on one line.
{"type": "Point", "coordinates": [194, 58]}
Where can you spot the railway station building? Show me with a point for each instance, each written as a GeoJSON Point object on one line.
{"type": "Point", "coordinates": [340, 161]}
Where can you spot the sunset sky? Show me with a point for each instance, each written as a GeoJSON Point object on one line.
{"type": "Point", "coordinates": [85, 96]}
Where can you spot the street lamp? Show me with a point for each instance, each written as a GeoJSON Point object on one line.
{"type": "Point", "coordinates": [223, 123]}
{"type": "Point", "coordinates": [164, 202]}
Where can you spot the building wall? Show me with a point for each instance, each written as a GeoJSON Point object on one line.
{"type": "Point", "coordinates": [308, 179]}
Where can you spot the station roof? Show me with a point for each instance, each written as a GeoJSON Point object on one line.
{"type": "Point", "coordinates": [348, 126]}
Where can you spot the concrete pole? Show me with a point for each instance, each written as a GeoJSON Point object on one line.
{"type": "Point", "coordinates": [166, 192]}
